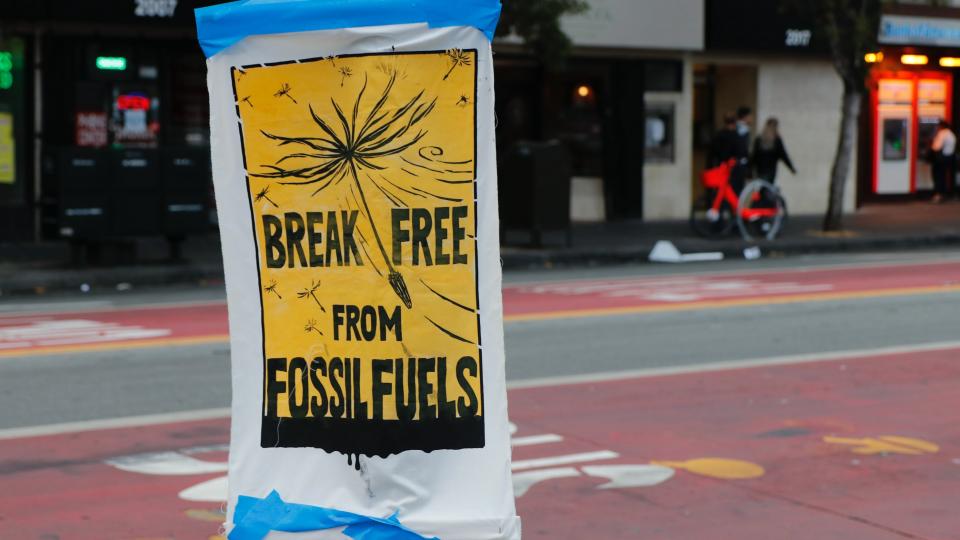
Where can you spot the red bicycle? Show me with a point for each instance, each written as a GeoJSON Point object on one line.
{"type": "Point", "coordinates": [759, 211]}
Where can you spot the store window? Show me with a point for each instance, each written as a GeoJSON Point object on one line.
{"type": "Point", "coordinates": [579, 125]}
{"type": "Point", "coordinates": [659, 133]}
{"type": "Point", "coordinates": [12, 121]}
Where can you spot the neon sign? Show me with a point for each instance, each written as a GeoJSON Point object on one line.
{"type": "Point", "coordinates": [112, 63]}
{"type": "Point", "coordinates": [132, 102]}
{"type": "Point", "coordinates": [6, 70]}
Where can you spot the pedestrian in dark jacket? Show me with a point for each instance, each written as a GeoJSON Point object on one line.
{"type": "Point", "coordinates": [728, 144]}
{"type": "Point", "coordinates": [768, 151]}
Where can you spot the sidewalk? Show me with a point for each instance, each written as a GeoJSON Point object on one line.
{"type": "Point", "coordinates": [876, 227]}
{"type": "Point", "coordinates": [43, 268]}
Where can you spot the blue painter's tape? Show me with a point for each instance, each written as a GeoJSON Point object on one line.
{"type": "Point", "coordinates": [222, 25]}
{"type": "Point", "coordinates": [254, 518]}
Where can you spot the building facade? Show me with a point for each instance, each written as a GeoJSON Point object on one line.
{"type": "Point", "coordinates": [103, 120]}
{"type": "Point", "coordinates": [104, 113]}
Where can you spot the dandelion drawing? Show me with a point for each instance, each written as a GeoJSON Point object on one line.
{"type": "Point", "coordinates": [357, 145]}
{"type": "Point", "coordinates": [272, 289]}
{"type": "Point", "coordinates": [463, 101]}
{"type": "Point", "coordinates": [311, 292]}
{"type": "Point", "coordinates": [311, 326]}
{"type": "Point", "coordinates": [345, 73]}
{"type": "Point", "coordinates": [262, 196]}
{"type": "Point", "coordinates": [333, 59]}
{"type": "Point", "coordinates": [390, 69]}
{"type": "Point", "coordinates": [457, 58]}
{"type": "Point", "coordinates": [247, 101]}
{"type": "Point", "coordinates": [284, 91]}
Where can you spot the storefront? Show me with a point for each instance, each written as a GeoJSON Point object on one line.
{"type": "Point", "coordinates": [912, 86]}
{"type": "Point", "coordinates": [110, 112]}
{"type": "Point", "coordinates": [775, 60]}
{"type": "Point", "coordinates": [619, 106]}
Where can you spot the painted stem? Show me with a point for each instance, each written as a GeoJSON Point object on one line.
{"type": "Point", "coordinates": [395, 278]}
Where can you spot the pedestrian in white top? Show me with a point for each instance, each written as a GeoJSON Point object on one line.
{"type": "Point", "coordinates": [942, 149]}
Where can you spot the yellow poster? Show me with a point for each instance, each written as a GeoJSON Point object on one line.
{"type": "Point", "coordinates": [361, 174]}
{"type": "Point", "coordinates": [8, 171]}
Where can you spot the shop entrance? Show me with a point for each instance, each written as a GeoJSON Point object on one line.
{"type": "Point", "coordinates": [906, 108]}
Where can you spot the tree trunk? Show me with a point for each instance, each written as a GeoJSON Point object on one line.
{"type": "Point", "coordinates": [833, 220]}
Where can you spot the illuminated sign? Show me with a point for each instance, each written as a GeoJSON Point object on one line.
{"type": "Point", "coordinates": [6, 70]}
{"type": "Point", "coordinates": [154, 8]}
{"type": "Point", "coordinates": [111, 63]}
{"type": "Point", "coordinates": [909, 30]}
{"type": "Point", "coordinates": [132, 102]}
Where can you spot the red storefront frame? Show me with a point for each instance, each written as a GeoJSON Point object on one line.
{"type": "Point", "coordinates": [915, 77]}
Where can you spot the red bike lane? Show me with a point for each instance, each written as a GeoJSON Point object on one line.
{"type": "Point", "coordinates": [859, 448]}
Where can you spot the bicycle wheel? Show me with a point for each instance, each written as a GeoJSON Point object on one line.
{"type": "Point", "coordinates": [763, 211]}
{"type": "Point", "coordinates": [709, 223]}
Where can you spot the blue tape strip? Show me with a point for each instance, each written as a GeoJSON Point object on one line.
{"type": "Point", "coordinates": [254, 518]}
{"type": "Point", "coordinates": [222, 25]}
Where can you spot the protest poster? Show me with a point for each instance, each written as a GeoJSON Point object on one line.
{"type": "Point", "coordinates": [355, 175]}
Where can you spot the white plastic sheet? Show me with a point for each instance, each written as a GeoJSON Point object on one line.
{"type": "Point", "coordinates": [355, 178]}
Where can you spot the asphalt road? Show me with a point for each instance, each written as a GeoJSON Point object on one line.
{"type": "Point", "coordinates": [74, 386]}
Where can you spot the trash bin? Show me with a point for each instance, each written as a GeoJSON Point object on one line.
{"type": "Point", "coordinates": [135, 192]}
{"type": "Point", "coordinates": [535, 189]}
{"type": "Point", "coordinates": [83, 185]}
{"type": "Point", "coordinates": [186, 191]}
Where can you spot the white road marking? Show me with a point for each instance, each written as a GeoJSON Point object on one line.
{"type": "Point", "coordinates": [214, 491]}
{"type": "Point", "coordinates": [675, 289]}
{"type": "Point", "coordinates": [730, 364]}
{"type": "Point", "coordinates": [563, 460]}
{"type": "Point", "coordinates": [113, 423]}
{"type": "Point", "coordinates": [166, 464]}
{"type": "Point", "coordinates": [38, 307]}
{"type": "Point", "coordinates": [531, 440]}
{"type": "Point", "coordinates": [46, 333]}
{"type": "Point", "coordinates": [71, 308]}
{"type": "Point", "coordinates": [630, 476]}
{"type": "Point", "coordinates": [523, 481]}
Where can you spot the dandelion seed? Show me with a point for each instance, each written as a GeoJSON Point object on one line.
{"type": "Point", "coordinates": [247, 101]}
{"type": "Point", "coordinates": [457, 58]}
{"type": "Point", "coordinates": [262, 195]}
{"type": "Point", "coordinates": [284, 91]}
{"type": "Point", "coordinates": [272, 288]}
{"type": "Point", "coordinates": [311, 326]}
{"type": "Point", "coordinates": [311, 292]}
{"type": "Point", "coordinates": [345, 73]}
{"type": "Point", "coordinates": [463, 101]}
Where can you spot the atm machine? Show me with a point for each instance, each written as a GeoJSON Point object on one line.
{"type": "Point", "coordinates": [907, 107]}
{"type": "Point", "coordinates": [931, 107]}
{"type": "Point", "coordinates": [893, 152]}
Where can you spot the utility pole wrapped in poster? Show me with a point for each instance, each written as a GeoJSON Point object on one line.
{"type": "Point", "coordinates": [355, 174]}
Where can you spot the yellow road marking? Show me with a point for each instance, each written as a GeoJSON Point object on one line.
{"type": "Point", "coordinates": [119, 345]}
{"type": "Point", "coordinates": [735, 302]}
{"type": "Point", "coordinates": [545, 315]}
{"type": "Point", "coordinates": [725, 469]}
{"type": "Point", "coordinates": [885, 444]}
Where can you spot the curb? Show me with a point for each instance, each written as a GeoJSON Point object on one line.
{"type": "Point", "coordinates": [20, 281]}
{"type": "Point", "coordinates": [539, 259]}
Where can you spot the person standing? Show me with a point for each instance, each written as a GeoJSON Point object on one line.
{"type": "Point", "coordinates": [769, 151]}
{"type": "Point", "coordinates": [728, 144]}
{"type": "Point", "coordinates": [942, 149]}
